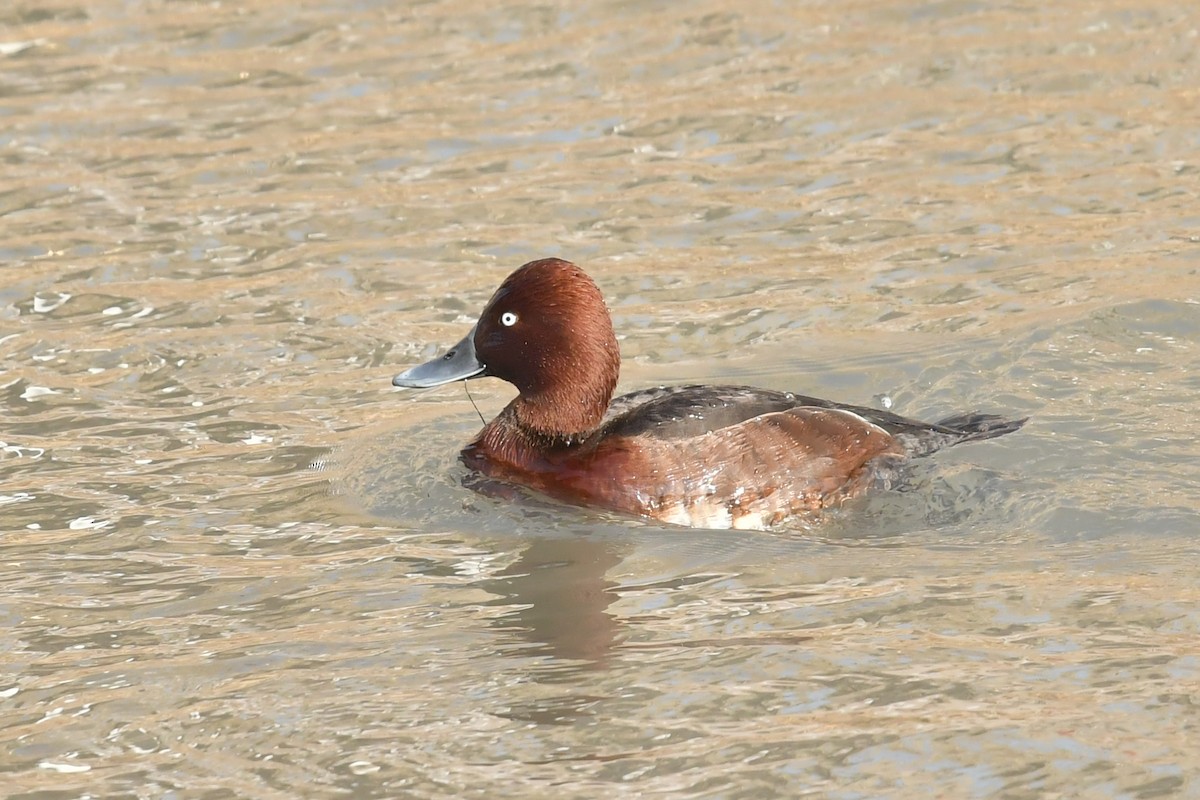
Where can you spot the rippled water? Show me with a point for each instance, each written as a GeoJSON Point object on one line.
{"type": "Point", "coordinates": [224, 227]}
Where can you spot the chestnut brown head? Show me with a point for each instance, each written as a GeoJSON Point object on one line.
{"type": "Point", "coordinates": [547, 331]}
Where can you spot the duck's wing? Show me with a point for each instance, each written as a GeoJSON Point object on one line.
{"type": "Point", "coordinates": [680, 412]}
{"type": "Point", "coordinates": [730, 457]}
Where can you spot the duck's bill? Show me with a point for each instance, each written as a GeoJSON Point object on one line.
{"type": "Point", "coordinates": [458, 364]}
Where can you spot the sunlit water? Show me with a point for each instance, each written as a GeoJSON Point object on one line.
{"type": "Point", "coordinates": [235, 562]}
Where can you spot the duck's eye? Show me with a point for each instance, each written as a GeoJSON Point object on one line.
{"type": "Point", "coordinates": [508, 319]}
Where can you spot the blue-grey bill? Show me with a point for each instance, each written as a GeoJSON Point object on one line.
{"type": "Point", "coordinates": [458, 364]}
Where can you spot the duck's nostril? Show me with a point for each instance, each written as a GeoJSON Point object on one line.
{"type": "Point", "coordinates": [448, 356]}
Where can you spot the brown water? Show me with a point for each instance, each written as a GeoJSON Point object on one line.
{"type": "Point", "coordinates": [225, 226]}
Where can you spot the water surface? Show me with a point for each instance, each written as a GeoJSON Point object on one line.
{"type": "Point", "coordinates": [224, 227]}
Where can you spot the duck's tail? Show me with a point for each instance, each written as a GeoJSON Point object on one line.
{"type": "Point", "coordinates": [973, 426]}
{"type": "Point", "coordinates": [957, 429]}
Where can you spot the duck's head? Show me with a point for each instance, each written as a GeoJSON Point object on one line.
{"type": "Point", "coordinates": [546, 331]}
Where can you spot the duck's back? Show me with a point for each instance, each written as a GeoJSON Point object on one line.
{"type": "Point", "coordinates": [734, 456]}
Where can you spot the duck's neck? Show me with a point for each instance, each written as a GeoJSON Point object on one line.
{"type": "Point", "coordinates": [561, 418]}
{"type": "Point", "coordinates": [569, 399]}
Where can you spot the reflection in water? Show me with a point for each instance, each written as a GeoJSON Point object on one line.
{"type": "Point", "coordinates": [560, 596]}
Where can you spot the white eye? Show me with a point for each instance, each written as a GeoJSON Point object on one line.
{"type": "Point", "coordinates": [508, 319]}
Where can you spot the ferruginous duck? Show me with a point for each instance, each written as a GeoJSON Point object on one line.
{"type": "Point", "coordinates": [701, 456]}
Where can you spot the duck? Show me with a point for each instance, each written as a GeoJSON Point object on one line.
{"type": "Point", "coordinates": [697, 455]}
